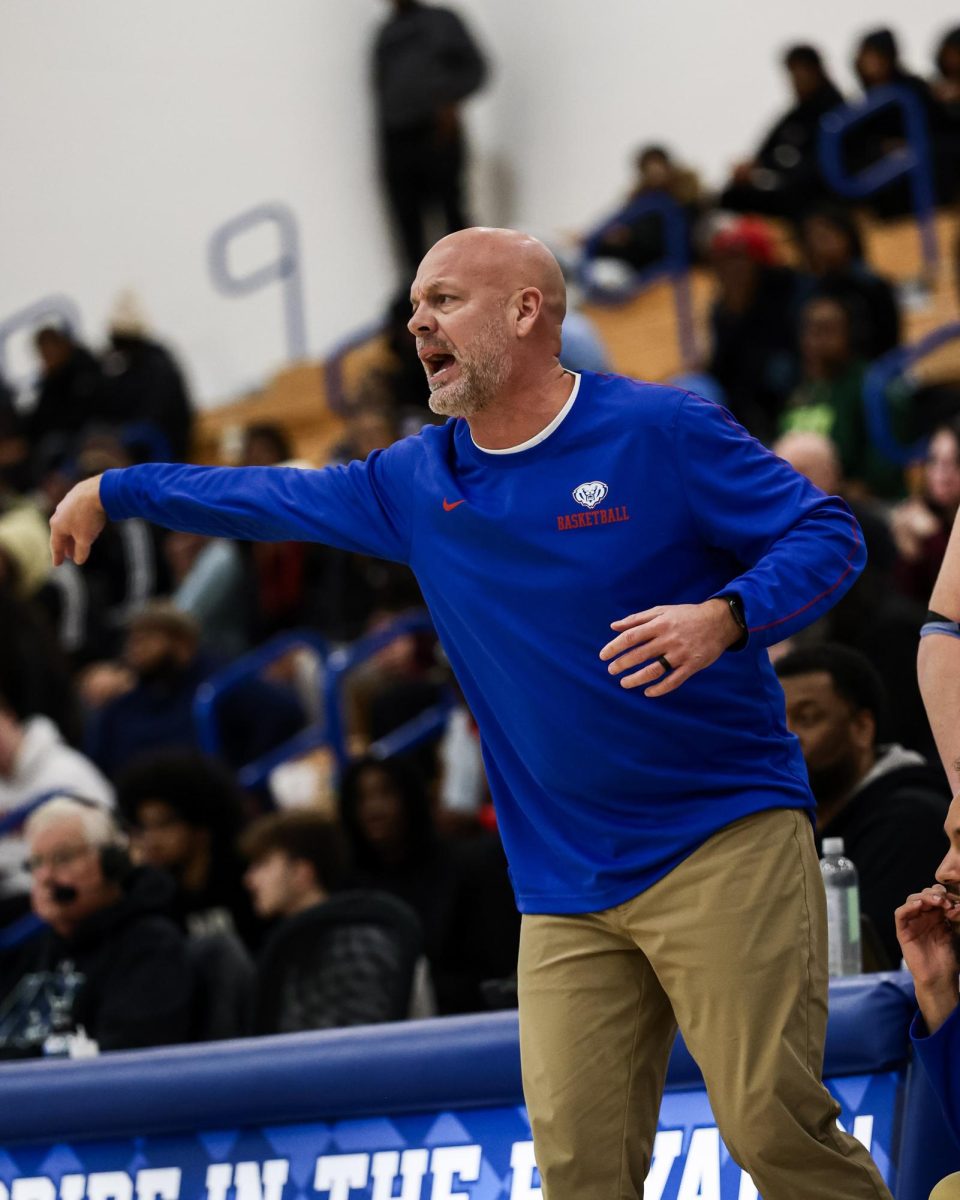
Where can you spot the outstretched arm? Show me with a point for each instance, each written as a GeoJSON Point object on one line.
{"type": "Point", "coordinates": [364, 506]}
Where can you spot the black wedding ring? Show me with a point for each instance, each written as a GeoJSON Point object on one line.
{"type": "Point", "coordinates": [664, 662]}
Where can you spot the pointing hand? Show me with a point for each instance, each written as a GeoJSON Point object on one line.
{"type": "Point", "coordinates": [77, 523]}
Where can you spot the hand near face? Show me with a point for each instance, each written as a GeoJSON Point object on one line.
{"type": "Point", "coordinates": [928, 924]}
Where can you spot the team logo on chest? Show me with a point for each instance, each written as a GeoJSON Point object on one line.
{"type": "Point", "coordinates": [590, 496]}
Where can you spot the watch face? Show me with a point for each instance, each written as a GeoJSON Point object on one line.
{"type": "Point", "coordinates": [737, 610]}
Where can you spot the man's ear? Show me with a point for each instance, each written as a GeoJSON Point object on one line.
{"type": "Point", "coordinates": [529, 304]}
{"type": "Point", "coordinates": [864, 729]}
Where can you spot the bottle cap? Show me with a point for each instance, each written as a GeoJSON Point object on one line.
{"type": "Point", "coordinates": [833, 845]}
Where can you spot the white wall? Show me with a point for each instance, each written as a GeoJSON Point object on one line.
{"type": "Point", "coordinates": [577, 93]}
{"type": "Point", "coordinates": [131, 129]}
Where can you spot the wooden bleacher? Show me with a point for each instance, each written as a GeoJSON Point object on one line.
{"type": "Point", "coordinates": [641, 337]}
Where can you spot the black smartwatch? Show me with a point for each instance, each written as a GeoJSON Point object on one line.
{"type": "Point", "coordinates": [735, 604]}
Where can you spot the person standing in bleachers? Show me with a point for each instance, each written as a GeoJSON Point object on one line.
{"type": "Point", "coordinates": [425, 64]}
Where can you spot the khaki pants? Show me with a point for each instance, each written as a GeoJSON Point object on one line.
{"type": "Point", "coordinates": [947, 1189]}
{"type": "Point", "coordinates": [730, 946]}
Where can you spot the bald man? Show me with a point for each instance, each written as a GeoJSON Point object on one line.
{"type": "Point", "coordinates": [606, 562]}
{"type": "Point", "coordinates": [814, 455]}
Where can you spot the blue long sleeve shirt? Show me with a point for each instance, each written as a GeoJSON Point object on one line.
{"type": "Point", "coordinates": [637, 495]}
{"type": "Point", "coordinates": [940, 1055]}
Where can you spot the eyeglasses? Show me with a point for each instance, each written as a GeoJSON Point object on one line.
{"type": "Point", "coordinates": [56, 858]}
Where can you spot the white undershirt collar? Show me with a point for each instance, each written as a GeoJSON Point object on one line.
{"type": "Point", "coordinates": [547, 429]}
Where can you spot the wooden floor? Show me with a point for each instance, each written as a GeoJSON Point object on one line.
{"type": "Point", "coordinates": [641, 337]}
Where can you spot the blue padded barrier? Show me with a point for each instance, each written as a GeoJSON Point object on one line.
{"type": "Point", "coordinates": [450, 1062]}
{"type": "Point", "coordinates": [453, 1062]}
{"type": "Point", "coordinates": [441, 1082]}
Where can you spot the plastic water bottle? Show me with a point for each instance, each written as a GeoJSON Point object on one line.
{"type": "Point", "coordinates": [843, 909]}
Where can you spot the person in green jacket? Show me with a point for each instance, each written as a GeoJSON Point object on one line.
{"type": "Point", "coordinates": [829, 398]}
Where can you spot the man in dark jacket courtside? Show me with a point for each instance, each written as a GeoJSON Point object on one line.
{"type": "Point", "coordinates": [886, 802]}
{"type": "Point", "coordinates": [111, 962]}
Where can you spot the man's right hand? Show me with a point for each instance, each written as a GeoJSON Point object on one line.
{"type": "Point", "coordinates": [928, 923]}
{"type": "Point", "coordinates": [77, 522]}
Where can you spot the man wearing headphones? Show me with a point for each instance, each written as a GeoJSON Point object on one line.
{"type": "Point", "coordinates": [111, 960]}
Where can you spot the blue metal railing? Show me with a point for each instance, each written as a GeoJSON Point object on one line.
{"type": "Point", "coordinates": [212, 691]}
{"type": "Point", "coordinates": [673, 266]}
{"type": "Point", "coordinates": [330, 729]}
{"type": "Point", "coordinates": [876, 402]}
{"type": "Point", "coordinates": [344, 661]}
{"type": "Point", "coordinates": [913, 160]}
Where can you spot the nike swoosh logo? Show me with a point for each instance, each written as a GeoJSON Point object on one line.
{"type": "Point", "coordinates": [448, 507]}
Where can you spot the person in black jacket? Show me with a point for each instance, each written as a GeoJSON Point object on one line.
{"type": "Point", "coordinates": [145, 393]}
{"type": "Point", "coordinates": [334, 957]}
{"type": "Point", "coordinates": [425, 63]}
{"type": "Point", "coordinates": [111, 960]}
{"type": "Point", "coordinates": [887, 803]}
{"type": "Point", "coordinates": [783, 177]}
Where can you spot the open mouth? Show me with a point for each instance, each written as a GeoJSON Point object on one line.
{"type": "Point", "coordinates": [437, 364]}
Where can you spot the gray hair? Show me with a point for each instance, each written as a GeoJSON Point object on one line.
{"type": "Point", "coordinates": [98, 825]}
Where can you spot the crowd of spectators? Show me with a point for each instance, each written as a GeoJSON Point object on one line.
{"type": "Point", "coordinates": [178, 904]}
